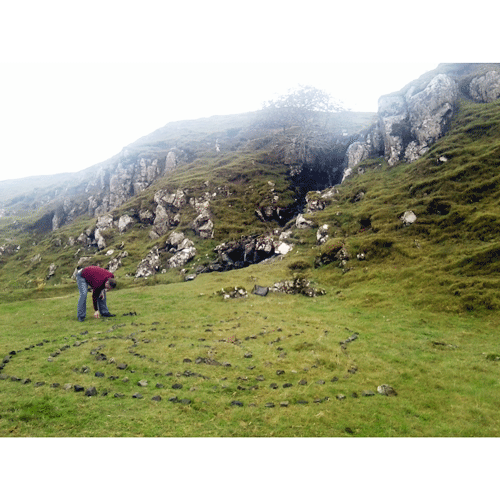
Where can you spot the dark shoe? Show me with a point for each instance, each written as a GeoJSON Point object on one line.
{"type": "Point", "coordinates": [108, 315]}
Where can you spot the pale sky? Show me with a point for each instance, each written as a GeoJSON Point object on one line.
{"type": "Point", "coordinates": [78, 82]}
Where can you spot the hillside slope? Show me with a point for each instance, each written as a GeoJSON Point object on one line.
{"type": "Point", "coordinates": [426, 229]}
{"type": "Point", "coordinates": [430, 227]}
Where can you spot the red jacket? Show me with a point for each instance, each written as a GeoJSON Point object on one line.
{"type": "Point", "coordinates": [96, 277]}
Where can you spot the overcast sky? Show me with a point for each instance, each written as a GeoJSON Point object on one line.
{"type": "Point", "coordinates": [79, 83]}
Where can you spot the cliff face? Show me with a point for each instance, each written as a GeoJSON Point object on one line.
{"type": "Point", "coordinates": [411, 120]}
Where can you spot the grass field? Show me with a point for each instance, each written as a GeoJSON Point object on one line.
{"type": "Point", "coordinates": [254, 366]}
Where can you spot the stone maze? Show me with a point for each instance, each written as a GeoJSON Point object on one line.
{"type": "Point", "coordinates": [148, 367]}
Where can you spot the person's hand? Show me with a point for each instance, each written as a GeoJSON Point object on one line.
{"type": "Point", "coordinates": [96, 315]}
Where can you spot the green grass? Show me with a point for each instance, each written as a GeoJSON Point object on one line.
{"type": "Point", "coordinates": [436, 362]}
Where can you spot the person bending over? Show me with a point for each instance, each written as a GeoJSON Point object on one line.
{"type": "Point", "coordinates": [100, 280]}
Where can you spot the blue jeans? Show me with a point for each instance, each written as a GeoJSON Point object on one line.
{"type": "Point", "coordinates": [83, 288]}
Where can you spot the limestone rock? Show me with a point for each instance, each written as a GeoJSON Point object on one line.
{"type": "Point", "coordinates": [430, 112]}
{"type": "Point", "coordinates": [408, 218]}
{"type": "Point", "coordinates": [203, 225]}
{"type": "Point", "coordinates": [124, 223]}
{"type": "Point", "coordinates": [302, 222]}
{"type": "Point", "coordinates": [150, 265]}
{"type": "Point", "coordinates": [322, 234]}
{"type": "Point", "coordinates": [410, 121]}
{"type": "Point", "coordinates": [283, 248]}
{"type": "Point", "coordinates": [485, 88]}
{"type": "Point", "coordinates": [182, 257]}
{"type": "Point", "coordinates": [146, 216]}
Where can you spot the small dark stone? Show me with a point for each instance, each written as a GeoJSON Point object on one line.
{"type": "Point", "coordinates": [101, 357]}
{"type": "Point", "coordinates": [303, 382]}
{"type": "Point", "coordinates": [349, 430]}
{"type": "Point", "coordinates": [248, 355]}
{"type": "Point", "coordinates": [280, 372]}
{"type": "Point", "coordinates": [260, 378]}
{"type": "Point", "coordinates": [27, 381]}
{"type": "Point", "coordinates": [91, 391]}
{"type": "Point", "coordinates": [137, 395]}
{"type": "Point", "coordinates": [236, 403]}
{"type": "Point", "coordinates": [335, 379]}
{"type": "Point", "coordinates": [174, 399]}
{"type": "Point", "coordinates": [119, 395]}
{"type": "Point", "coordinates": [12, 353]}
{"type": "Point", "coordinates": [269, 405]}
{"type": "Point", "coordinates": [122, 366]}
{"type": "Point", "coordinates": [99, 374]}
{"type": "Point", "coordinates": [185, 401]}
{"type": "Point", "coordinates": [273, 386]}
{"type": "Point", "coordinates": [177, 386]}
{"type": "Point", "coordinates": [39, 384]}
{"type": "Point", "coordinates": [79, 388]}
{"type": "Point", "coordinates": [3, 376]}
{"type": "Point", "coordinates": [284, 404]}
{"type": "Point", "coordinates": [367, 393]}
{"type": "Point", "coordinates": [156, 398]}
{"type": "Point", "coordinates": [55, 385]}
{"type": "Point", "coordinates": [320, 382]}
{"type": "Point", "coordinates": [113, 377]}
{"type": "Point", "coordinates": [186, 360]}
{"type": "Point", "coordinates": [159, 386]}
{"type": "Point", "coordinates": [354, 395]}
{"type": "Point", "coordinates": [340, 397]}
{"type": "Point", "coordinates": [15, 379]}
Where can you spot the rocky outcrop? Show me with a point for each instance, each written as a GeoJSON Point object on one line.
{"type": "Point", "coordinates": [485, 88]}
{"type": "Point", "coordinates": [411, 120]}
{"type": "Point", "coordinates": [150, 265]}
{"type": "Point", "coordinates": [182, 248]}
{"type": "Point", "coordinates": [410, 123]}
{"type": "Point", "coordinates": [246, 251]}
